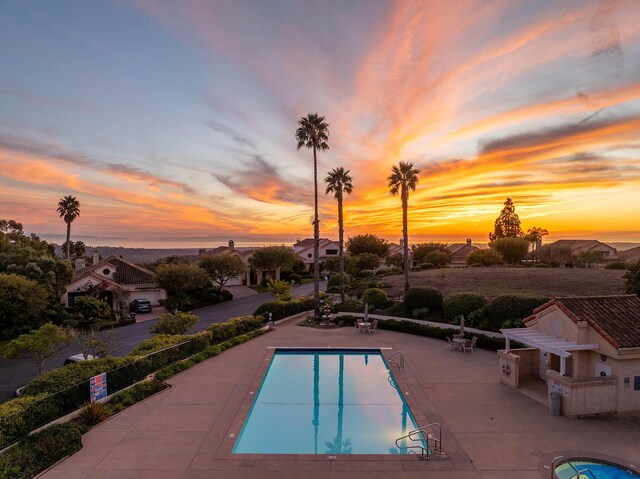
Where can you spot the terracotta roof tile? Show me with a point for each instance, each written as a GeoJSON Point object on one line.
{"type": "Point", "coordinates": [126, 273]}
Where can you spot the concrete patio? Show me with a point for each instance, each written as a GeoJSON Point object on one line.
{"type": "Point", "coordinates": [489, 430]}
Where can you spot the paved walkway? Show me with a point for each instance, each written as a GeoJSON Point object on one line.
{"type": "Point", "coordinates": [489, 430]}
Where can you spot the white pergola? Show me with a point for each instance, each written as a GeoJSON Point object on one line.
{"type": "Point", "coordinates": [545, 342]}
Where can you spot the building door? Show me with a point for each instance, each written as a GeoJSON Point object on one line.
{"type": "Point", "coordinates": [544, 364]}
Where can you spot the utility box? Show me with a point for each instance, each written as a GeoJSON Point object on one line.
{"type": "Point", "coordinates": [555, 403]}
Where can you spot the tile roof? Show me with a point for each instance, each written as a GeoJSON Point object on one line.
{"type": "Point", "coordinates": [616, 318]}
{"type": "Point", "coordinates": [629, 255]}
{"type": "Point", "coordinates": [126, 273]}
{"type": "Point", "coordinates": [305, 243]}
{"type": "Point", "coordinates": [583, 245]}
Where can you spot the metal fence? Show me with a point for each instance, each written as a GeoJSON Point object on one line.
{"type": "Point", "coordinates": [14, 427]}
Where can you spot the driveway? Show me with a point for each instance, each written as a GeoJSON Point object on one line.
{"type": "Point", "coordinates": [489, 431]}
{"type": "Point", "coordinates": [18, 372]}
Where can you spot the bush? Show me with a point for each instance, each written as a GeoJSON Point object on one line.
{"type": "Point", "coordinates": [423, 297]}
{"type": "Point", "coordinates": [334, 281]}
{"type": "Point", "coordinates": [511, 308]}
{"type": "Point", "coordinates": [366, 273]}
{"type": "Point", "coordinates": [477, 265]}
{"type": "Point", "coordinates": [135, 394]}
{"type": "Point", "coordinates": [375, 297]}
{"type": "Point", "coordinates": [234, 327]}
{"type": "Point", "coordinates": [513, 250]}
{"type": "Point", "coordinates": [437, 258]}
{"type": "Point", "coordinates": [389, 271]}
{"type": "Point", "coordinates": [420, 313]}
{"type": "Point", "coordinates": [295, 278]}
{"type": "Point", "coordinates": [21, 415]}
{"type": "Point", "coordinates": [93, 414]}
{"type": "Point", "coordinates": [284, 309]}
{"type": "Point", "coordinates": [542, 265]}
{"type": "Point", "coordinates": [487, 257]}
{"type": "Point", "coordinates": [632, 279]}
{"type": "Point", "coordinates": [423, 266]}
{"type": "Point", "coordinates": [617, 265]}
{"type": "Point", "coordinates": [462, 303]}
{"type": "Point", "coordinates": [178, 323]}
{"type": "Point", "coordinates": [349, 306]}
{"type": "Point", "coordinates": [397, 309]}
{"type": "Point", "coordinates": [40, 450]}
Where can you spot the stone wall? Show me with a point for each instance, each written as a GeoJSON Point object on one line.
{"type": "Point", "coordinates": [584, 397]}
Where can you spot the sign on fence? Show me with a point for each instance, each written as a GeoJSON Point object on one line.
{"type": "Point", "coordinates": [98, 387]}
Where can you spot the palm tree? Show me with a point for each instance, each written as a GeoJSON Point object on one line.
{"type": "Point", "coordinates": [403, 178]}
{"type": "Point", "coordinates": [313, 132]}
{"type": "Point", "coordinates": [534, 236]}
{"type": "Point", "coordinates": [339, 182]}
{"type": "Point", "coordinates": [69, 209]}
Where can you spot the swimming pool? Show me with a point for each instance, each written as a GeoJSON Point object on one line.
{"type": "Point", "coordinates": [326, 402]}
{"type": "Point", "coordinates": [596, 470]}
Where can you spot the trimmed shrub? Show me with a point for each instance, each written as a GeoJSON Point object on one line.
{"type": "Point", "coordinates": [334, 281]}
{"type": "Point", "coordinates": [40, 450]}
{"type": "Point", "coordinates": [349, 306]}
{"type": "Point", "coordinates": [21, 415]}
{"type": "Point", "coordinates": [135, 394]}
{"type": "Point", "coordinates": [438, 258]}
{"type": "Point", "coordinates": [283, 309]}
{"type": "Point", "coordinates": [477, 265]}
{"type": "Point", "coordinates": [423, 297]}
{"type": "Point", "coordinates": [542, 265]}
{"type": "Point", "coordinates": [420, 313]}
{"type": "Point", "coordinates": [234, 327]}
{"type": "Point", "coordinates": [462, 303]}
{"type": "Point", "coordinates": [511, 308]}
{"type": "Point", "coordinates": [423, 266]}
{"type": "Point", "coordinates": [487, 257]}
{"type": "Point", "coordinates": [617, 265]}
{"type": "Point", "coordinates": [178, 323]}
{"type": "Point", "coordinates": [366, 273]}
{"type": "Point", "coordinates": [295, 278]}
{"type": "Point", "coordinates": [397, 309]}
{"type": "Point", "coordinates": [375, 297]}
{"type": "Point", "coordinates": [389, 271]}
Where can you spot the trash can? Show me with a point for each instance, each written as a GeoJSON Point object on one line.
{"type": "Point", "coordinates": [132, 315]}
{"type": "Point", "coordinates": [555, 403]}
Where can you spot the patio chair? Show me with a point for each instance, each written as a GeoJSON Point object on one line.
{"type": "Point", "coordinates": [469, 344]}
{"type": "Point", "coordinates": [451, 344]}
{"type": "Point", "coordinates": [373, 328]}
{"type": "Point", "coordinates": [357, 327]}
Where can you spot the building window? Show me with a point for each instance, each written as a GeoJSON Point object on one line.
{"type": "Point", "coordinates": [106, 271]}
{"type": "Point", "coordinates": [309, 255]}
{"type": "Point", "coordinates": [332, 251]}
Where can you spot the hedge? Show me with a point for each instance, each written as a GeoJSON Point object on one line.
{"type": "Point", "coordinates": [423, 297]}
{"type": "Point", "coordinates": [617, 265]}
{"type": "Point", "coordinates": [375, 297]}
{"type": "Point", "coordinates": [284, 309]}
{"type": "Point", "coordinates": [334, 281]}
{"type": "Point", "coordinates": [234, 327]}
{"type": "Point", "coordinates": [462, 303]}
{"type": "Point", "coordinates": [40, 450]}
{"type": "Point", "coordinates": [366, 273]}
{"type": "Point", "coordinates": [513, 307]}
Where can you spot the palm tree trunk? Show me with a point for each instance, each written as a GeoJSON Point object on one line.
{"type": "Point", "coordinates": [316, 241]}
{"type": "Point", "coordinates": [341, 245]}
{"type": "Point", "coordinates": [68, 239]}
{"type": "Point", "coordinates": [405, 237]}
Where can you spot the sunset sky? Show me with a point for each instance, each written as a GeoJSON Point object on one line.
{"type": "Point", "coordinates": [173, 122]}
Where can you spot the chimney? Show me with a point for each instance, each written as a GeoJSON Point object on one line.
{"type": "Point", "coordinates": [401, 241]}
{"type": "Point", "coordinates": [96, 257]}
{"type": "Point", "coordinates": [202, 251]}
{"type": "Point", "coordinates": [468, 241]}
{"type": "Point", "coordinates": [231, 245]}
{"type": "Point", "coordinates": [79, 264]}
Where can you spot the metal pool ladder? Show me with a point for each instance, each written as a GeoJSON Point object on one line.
{"type": "Point", "coordinates": [560, 459]}
{"type": "Point", "coordinates": [423, 435]}
{"type": "Point", "coordinates": [397, 359]}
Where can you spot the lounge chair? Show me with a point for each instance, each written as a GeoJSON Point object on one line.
{"type": "Point", "coordinates": [451, 344]}
{"type": "Point", "coordinates": [469, 344]}
{"type": "Point", "coordinates": [373, 328]}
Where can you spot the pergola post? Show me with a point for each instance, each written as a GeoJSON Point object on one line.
{"type": "Point", "coordinates": [507, 344]}
{"type": "Point", "coordinates": [563, 365]}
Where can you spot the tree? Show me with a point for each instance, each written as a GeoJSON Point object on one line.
{"type": "Point", "coordinates": [507, 225]}
{"type": "Point", "coordinates": [38, 345]}
{"type": "Point", "coordinates": [22, 305]}
{"type": "Point", "coordinates": [273, 258]}
{"type": "Point", "coordinates": [92, 343]}
{"type": "Point", "coordinates": [366, 261]}
{"type": "Point", "coordinates": [91, 308]}
{"type": "Point", "coordinates": [182, 278]}
{"type": "Point", "coordinates": [420, 251]}
{"type": "Point", "coordinates": [487, 257]}
{"type": "Point", "coordinates": [632, 279]}
{"type": "Point", "coordinates": [403, 179]}
{"type": "Point", "coordinates": [178, 323]}
{"type": "Point", "coordinates": [513, 250]}
{"type": "Point", "coordinates": [77, 248]}
{"type": "Point", "coordinates": [339, 182]}
{"type": "Point", "coordinates": [367, 243]}
{"type": "Point", "coordinates": [69, 209]}
{"type": "Point", "coordinates": [534, 236]}
{"type": "Point", "coordinates": [280, 289]}
{"type": "Point", "coordinates": [313, 132]}
{"type": "Point", "coordinates": [588, 259]}
{"type": "Point", "coordinates": [396, 260]}
{"type": "Point", "coordinates": [555, 255]}
{"type": "Point", "coordinates": [222, 267]}
{"type": "Point", "coordinates": [437, 258]}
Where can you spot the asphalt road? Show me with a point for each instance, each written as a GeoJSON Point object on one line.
{"type": "Point", "coordinates": [15, 373]}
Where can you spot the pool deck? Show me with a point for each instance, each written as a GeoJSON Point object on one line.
{"type": "Point", "coordinates": [489, 430]}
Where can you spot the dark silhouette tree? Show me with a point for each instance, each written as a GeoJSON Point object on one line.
{"type": "Point", "coordinates": [313, 133]}
{"type": "Point", "coordinates": [534, 236]}
{"type": "Point", "coordinates": [69, 209]}
{"type": "Point", "coordinates": [339, 182]}
{"type": "Point", "coordinates": [507, 225]}
{"type": "Point", "coordinates": [403, 178]}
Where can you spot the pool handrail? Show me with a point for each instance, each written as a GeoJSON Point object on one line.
{"type": "Point", "coordinates": [562, 459]}
{"type": "Point", "coordinates": [419, 435]}
{"type": "Point", "coordinates": [397, 359]}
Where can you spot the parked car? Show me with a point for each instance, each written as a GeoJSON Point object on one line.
{"type": "Point", "coordinates": [76, 358]}
{"type": "Point", "coordinates": [140, 306]}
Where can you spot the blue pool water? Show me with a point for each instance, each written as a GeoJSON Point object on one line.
{"type": "Point", "coordinates": [326, 402]}
{"type": "Point", "coordinates": [597, 470]}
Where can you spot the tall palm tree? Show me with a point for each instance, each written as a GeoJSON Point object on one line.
{"type": "Point", "coordinates": [339, 182]}
{"type": "Point", "coordinates": [534, 236]}
{"type": "Point", "coordinates": [69, 209]}
{"type": "Point", "coordinates": [403, 178]}
{"type": "Point", "coordinates": [313, 132]}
